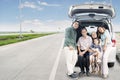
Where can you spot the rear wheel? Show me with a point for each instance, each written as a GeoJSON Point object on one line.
{"type": "Point", "coordinates": [111, 64]}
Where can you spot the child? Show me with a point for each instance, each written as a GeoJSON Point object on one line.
{"type": "Point", "coordinates": [95, 55]}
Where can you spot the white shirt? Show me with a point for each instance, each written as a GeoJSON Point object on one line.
{"type": "Point", "coordinates": [84, 43]}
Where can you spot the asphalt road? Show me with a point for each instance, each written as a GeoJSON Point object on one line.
{"type": "Point", "coordinates": [40, 59]}
{"type": "Point", "coordinates": [118, 46]}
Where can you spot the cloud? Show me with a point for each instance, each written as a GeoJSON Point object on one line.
{"type": "Point", "coordinates": [9, 27]}
{"type": "Point", "coordinates": [31, 5]}
{"type": "Point", "coordinates": [47, 4]}
{"type": "Point", "coordinates": [45, 26]}
{"type": "Point", "coordinates": [35, 22]}
{"type": "Point", "coordinates": [116, 27]}
{"type": "Point", "coordinates": [38, 25]}
{"type": "Point", "coordinates": [49, 25]}
{"type": "Point", "coordinates": [37, 6]}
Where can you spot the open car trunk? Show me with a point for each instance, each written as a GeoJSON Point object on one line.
{"type": "Point", "coordinates": [92, 10]}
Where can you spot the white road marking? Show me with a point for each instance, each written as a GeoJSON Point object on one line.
{"type": "Point", "coordinates": [54, 69]}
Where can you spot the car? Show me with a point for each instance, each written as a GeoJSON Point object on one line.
{"type": "Point", "coordinates": [92, 15]}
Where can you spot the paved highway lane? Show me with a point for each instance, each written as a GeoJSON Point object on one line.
{"type": "Point", "coordinates": [39, 59]}
{"type": "Point", "coordinates": [29, 60]}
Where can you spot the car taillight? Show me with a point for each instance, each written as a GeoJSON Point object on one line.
{"type": "Point", "coordinates": [114, 43]}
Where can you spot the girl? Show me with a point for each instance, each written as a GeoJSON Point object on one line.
{"type": "Point", "coordinates": [95, 56]}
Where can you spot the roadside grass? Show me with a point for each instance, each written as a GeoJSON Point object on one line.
{"type": "Point", "coordinates": [9, 39]}
{"type": "Point", "coordinates": [117, 32]}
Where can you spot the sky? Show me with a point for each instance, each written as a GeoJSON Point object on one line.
{"type": "Point", "coordinates": [42, 15]}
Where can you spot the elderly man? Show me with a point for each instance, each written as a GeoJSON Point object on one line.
{"type": "Point", "coordinates": [70, 49]}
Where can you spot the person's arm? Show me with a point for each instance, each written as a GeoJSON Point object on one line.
{"type": "Point", "coordinates": [69, 35]}
{"type": "Point", "coordinates": [90, 45]}
{"type": "Point", "coordinates": [106, 40]}
{"type": "Point", "coordinates": [100, 48]}
{"type": "Point", "coordinates": [90, 49]}
{"type": "Point", "coordinates": [85, 50]}
{"type": "Point", "coordinates": [78, 44]}
{"type": "Point", "coordinates": [79, 50]}
{"type": "Point", "coordinates": [105, 45]}
{"type": "Point", "coordinates": [90, 41]}
{"type": "Point", "coordinates": [81, 53]}
{"type": "Point", "coordinates": [67, 39]}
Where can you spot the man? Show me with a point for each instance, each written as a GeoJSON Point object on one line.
{"type": "Point", "coordinates": [84, 43]}
{"type": "Point", "coordinates": [70, 49]}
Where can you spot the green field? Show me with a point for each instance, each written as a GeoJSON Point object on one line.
{"type": "Point", "coordinates": [9, 39]}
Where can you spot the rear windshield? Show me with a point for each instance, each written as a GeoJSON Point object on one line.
{"type": "Point", "coordinates": [92, 26]}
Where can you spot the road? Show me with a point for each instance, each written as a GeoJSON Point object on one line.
{"type": "Point", "coordinates": [40, 59]}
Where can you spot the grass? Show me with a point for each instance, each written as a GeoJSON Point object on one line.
{"type": "Point", "coordinates": [117, 32]}
{"type": "Point", "coordinates": [9, 39]}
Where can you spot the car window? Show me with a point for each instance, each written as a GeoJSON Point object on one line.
{"type": "Point", "coordinates": [91, 29]}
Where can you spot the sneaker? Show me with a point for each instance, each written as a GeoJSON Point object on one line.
{"type": "Point", "coordinates": [75, 72]}
{"type": "Point", "coordinates": [87, 73]}
{"type": "Point", "coordinates": [73, 75]}
{"type": "Point", "coordinates": [81, 73]}
{"type": "Point", "coordinates": [105, 76]}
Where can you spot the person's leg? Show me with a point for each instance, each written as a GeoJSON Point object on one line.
{"type": "Point", "coordinates": [98, 60]}
{"type": "Point", "coordinates": [99, 68]}
{"type": "Point", "coordinates": [74, 58]}
{"type": "Point", "coordinates": [98, 55]}
{"type": "Point", "coordinates": [105, 60]}
{"type": "Point", "coordinates": [93, 65]}
{"type": "Point", "coordinates": [81, 60]}
{"type": "Point", "coordinates": [91, 59]}
{"type": "Point", "coordinates": [68, 56]}
{"type": "Point", "coordinates": [87, 62]}
{"type": "Point", "coordinates": [91, 62]}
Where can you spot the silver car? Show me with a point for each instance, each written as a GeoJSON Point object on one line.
{"type": "Point", "coordinates": [92, 15]}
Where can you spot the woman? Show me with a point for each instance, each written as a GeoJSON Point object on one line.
{"type": "Point", "coordinates": [84, 43]}
{"type": "Point", "coordinates": [106, 47]}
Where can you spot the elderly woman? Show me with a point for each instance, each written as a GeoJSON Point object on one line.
{"type": "Point", "coordinates": [84, 44]}
{"type": "Point", "coordinates": [106, 47]}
